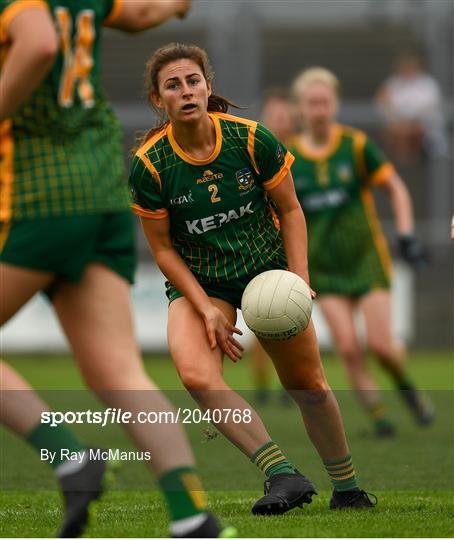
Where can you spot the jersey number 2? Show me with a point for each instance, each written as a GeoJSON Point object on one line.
{"type": "Point", "coordinates": [213, 189]}
{"type": "Point", "coordinates": [77, 59]}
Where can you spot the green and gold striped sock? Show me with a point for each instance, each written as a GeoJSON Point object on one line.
{"type": "Point", "coordinates": [342, 473]}
{"type": "Point", "coordinates": [184, 493]}
{"type": "Point", "coordinates": [377, 411]}
{"type": "Point", "coordinates": [378, 414]}
{"type": "Point", "coordinates": [270, 460]}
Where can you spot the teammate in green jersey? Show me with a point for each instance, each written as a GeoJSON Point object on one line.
{"type": "Point", "coordinates": [335, 168]}
{"type": "Point", "coordinates": [67, 229]}
{"type": "Point", "coordinates": [204, 184]}
{"type": "Point", "coordinates": [277, 115]}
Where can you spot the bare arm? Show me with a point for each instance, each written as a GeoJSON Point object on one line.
{"type": "Point", "coordinates": [172, 265]}
{"type": "Point", "coordinates": [143, 14]}
{"type": "Point", "coordinates": [400, 202]}
{"type": "Point", "coordinates": [410, 247]}
{"type": "Point", "coordinates": [293, 226]}
{"type": "Point", "coordinates": [219, 329]}
{"type": "Point", "coordinates": [33, 49]}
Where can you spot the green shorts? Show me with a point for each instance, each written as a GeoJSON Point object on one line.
{"type": "Point", "coordinates": [229, 291]}
{"type": "Point", "coordinates": [353, 288]}
{"type": "Point", "coordinates": [66, 245]}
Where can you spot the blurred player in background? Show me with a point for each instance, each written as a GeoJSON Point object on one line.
{"type": "Point", "coordinates": [350, 267]}
{"type": "Point", "coordinates": [410, 101]}
{"type": "Point", "coordinates": [201, 182]}
{"type": "Point", "coordinates": [67, 229]}
{"type": "Point", "coordinates": [278, 115]}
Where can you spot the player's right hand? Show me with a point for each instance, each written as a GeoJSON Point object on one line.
{"type": "Point", "coordinates": [413, 251]}
{"type": "Point", "coordinates": [220, 333]}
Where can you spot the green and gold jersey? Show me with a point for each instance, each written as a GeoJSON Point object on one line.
{"type": "Point", "coordinates": [221, 222]}
{"type": "Point", "coordinates": [347, 252]}
{"type": "Point", "coordinates": [61, 153]}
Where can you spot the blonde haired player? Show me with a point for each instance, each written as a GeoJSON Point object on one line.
{"type": "Point", "coordinates": [334, 172]}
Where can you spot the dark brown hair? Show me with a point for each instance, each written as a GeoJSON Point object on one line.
{"type": "Point", "coordinates": [171, 53]}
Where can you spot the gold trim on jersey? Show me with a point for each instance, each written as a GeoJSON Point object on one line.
{"type": "Point", "coordinates": [189, 159]}
{"type": "Point", "coordinates": [5, 229]}
{"type": "Point", "coordinates": [161, 213]}
{"type": "Point", "coordinates": [114, 13]}
{"type": "Point", "coordinates": [382, 173]}
{"type": "Point", "coordinates": [141, 154]}
{"type": "Point", "coordinates": [359, 142]}
{"type": "Point", "coordinates": [14, 9]}
{"type": "Point", "coordinates": [251, 134]}
{"type": "Point", "coordinates": [226, 116]}
{"type": "Point", "coordinates": [326, 151]}
{"type": "Point", "coordinates": [251, 146]}
{"type": "Point", "coordinates": [152, 169]}
{"type": "Point", "coordinates": [375, 228]}
{"type": "Point", "coordinates": [151, 141]}
{"type": "Point", "coordinates": [281, 174]}
{"type": "Point", "coordinates": [6, 170]}
{"type": "Point", "coordinates": [384, 170]}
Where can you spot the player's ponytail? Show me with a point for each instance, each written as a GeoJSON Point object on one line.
{"type": "Point", "coordinates": [171, 53]}
{"type": "Point", "coordinates": [220, 104]}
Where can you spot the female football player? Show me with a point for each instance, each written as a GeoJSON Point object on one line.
{"type": "Point", "coordinates": [202, 183]}
{"type": "Point", "coordinates": [67, 229]}
{"type": "Point", "coordinates": [334, 170]}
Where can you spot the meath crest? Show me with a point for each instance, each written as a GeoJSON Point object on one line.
{"type": "Point", "coordinates": [245, 179]}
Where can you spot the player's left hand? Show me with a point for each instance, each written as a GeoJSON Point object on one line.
{"type": "Point", "coordinates": [413, 251]}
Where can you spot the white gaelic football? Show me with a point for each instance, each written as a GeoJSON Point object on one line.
{"type": "Point", "coordinates": [277, 304]}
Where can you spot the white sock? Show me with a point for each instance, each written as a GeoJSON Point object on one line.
{"type": "Point", "coordinates": [184, 526]}
{"type": "Point", "coordinates": [71, 467]}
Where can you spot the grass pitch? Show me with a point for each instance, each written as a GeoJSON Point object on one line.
{"type": "Point", "coordinates": [412, 475]}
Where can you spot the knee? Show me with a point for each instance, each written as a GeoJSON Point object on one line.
{"type": "Point", "coordinates": [314, 392]}
{"type": "Point", "coordinates": [348, 349]}
{"type": "Point", "coordinates": [196, 381]}
{"type": "Point", "coordinates": [383, 349]}
{"type": "Point", "coordinates": [310, 397]}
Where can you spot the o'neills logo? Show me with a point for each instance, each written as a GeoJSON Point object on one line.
{"type": "Point", "coordinates": [209, 176]}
